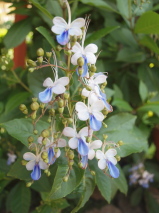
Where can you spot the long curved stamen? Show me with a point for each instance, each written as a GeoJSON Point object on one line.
{"type": "Point", "coordinates": [69, 12]}
{"type": "Point", "coordinates": [55, 68]}
{"type": "Point", "coordinates": [87, 21]}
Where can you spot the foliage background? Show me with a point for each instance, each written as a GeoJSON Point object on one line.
{"type": "Point", "coordinates": [127, 34]}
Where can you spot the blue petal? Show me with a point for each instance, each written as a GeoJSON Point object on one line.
{"type": "Point", "coordinates": [84, 161]}
{"type": "Point", "coordinates": [46, 95]}
{"type": "Point", "coordinates": [82, 147]}
{"type": "Point", "coordinates": [51, 156]}
{"type": "Point", "coordinates": [36, 173]}
{"type": "Point", "coordinates": [63, 38]}
{"type": "Point", "coordinates": [114, 171]}
{"type": "Point", "coordinates": [94, 123]}
{"type": "Point", "coordinates": [107, 105]}
{"type": "Point", "coordinates": [85, 68]}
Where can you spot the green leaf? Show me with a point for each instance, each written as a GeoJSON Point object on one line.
{"type": "Point", "coordinates": [118, 93]}
{"type": "Point", "coordinates": [100, 4]}
{"type": "Point", "coordinates": [122, 127]}
{"type": "Point", "coordinates": [130, 55]}
{"type": "Point", "coordinates": [61, 189]}
{"type": "Point", "coordinates": [99, 34]}
{"type": "Point", "coordinates": [19, 199]}
{"type": "Point", "coordinates": [17, 33]}
{"type": "Point", "coordinates": [152, 106]}
{"type": "Point", "coordinates": [151, 202]}
{"type": "Point", "coordinates": [148, 23]}
{"type": "Point", "coordinates": [21, 129]}
{"type": "Point", "coordinates": [136, 196]}
{"type": "Point", "coordinates": [124, 7]}
{"type": "Point", "coordinates": [150, 43]}
{"type": "Point", "coordinates": [88, 185]}
{"type": "Point", "coordinates": [15, 100]}
{"type": "Point", "coordinates": [41, 8]}
{"type": "Point", "coordinates": [143, 91]}
{"type": "Point", "coordinates": [47, 35]}
{"type": "Point", "coordinates": [122, 105]}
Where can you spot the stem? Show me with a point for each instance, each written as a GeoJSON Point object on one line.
{"type": "Point", "coordinates": [49, 65]}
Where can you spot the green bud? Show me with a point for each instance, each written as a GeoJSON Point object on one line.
{"type": "Point", "coordinates": [64, 121]}
{"type": "Point", "coordinates": [93, 173]}
{"type": "Point", "coordinates": [61, 103]}
{"type": "Point", "coordinates": [105, 112]}
{"type": "Point", "coordinates": [105, 125]}
{"type": "Point", "coordinates": [49, 173]}
{"type": "Point", "coordinates": [2, 130]}
{"type": "Point", "coordinates": [31, 63]}
{"type": "Point", "coordinates": [66, 95]}
{"type": "Point", "coordinates": [88, 139]}
{"type": "Point", "coordinates": [25, 111]}
{"type": "Point", "coordinates": [48, 54]}
{"type": "Point", "coordinates": [88, 88]}
{"type": "Point", "coordinates": [104, 84]}
{"type": "Point", "coordinates": [61, 109]}
{"type": "Point", "coordinates": [83, 97]}
{"type": "Point", "coordinates": [30, 139]}
{"type": "Point", "coordinates": [40, 52]}
{"type": "Point", "coordinates": [91, 74]}
{"type": "Point", "coordinates": [31, 69]}
{"type": "Point", "coordinates": [46, 171]}
{"type": "Point", "coordinates": [118, 157]}
{"type": "Point", "coordinates": [44, 141]}
{"type": "Point", "coordinates": [80, 70]}
{"type": "Point", "coordinates": [120, 143]}
{"type": "Point", "coordinates": [68, 52]}
{"type": "Point", "coordinates": [33, 115]}
{"type": "Point", "coordinates": [34, 99]}
{"type": "Point", "coordinates": [49, 120]}
{"type": "Point", "coordinates": [73, 38]}
{"type": "Point", "coordinates": [58, 48]}
{"type": "Point", "coordinates": [40, 59]}
{"type": "Point", "coordinates": [46, 160]}
{"type": "Point", "coordinates": [29, 184]}
{"type": "Point", "coordinates": [70, 120]}
{"type": "Point", "coordinates": [22, 107]}
{"type": "Point", "coordinates": [45, 133]}
{"type": "Point", "coordinates": [80, 165]}
{"type": "Point", "coordinates": [80, 61]}
{"type": "Point", "coordinates": [71, 155]}
{"type": "Point", "coordinates": [93, 68]}
{"type": "Point", "coordinates": [105, 136]}
{"type": "Point", "coordinates": [55, 135]}
{"type": "Point", "coordinates": [52, 112]}
{"type": "Point", "coordinates": [71, 162]}
{"type": "Point", "coordinates": [24, 162]}
{"type": "Point", "coordinates": [34, 106]}
{"type": "Point", "coordinates": [44, 155]}
{"type": "Point", "coordinates": [42, 105]}
{"type": "Point", "coordinates": [56, 149]}
{"type": "Point", "coordinates": [65, 179]}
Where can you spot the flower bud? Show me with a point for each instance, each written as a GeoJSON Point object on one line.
{"type": "Point", "coordinates": [34, 106]}
{"type": "Point", "coordinates": [80, 70]}
{"type": "Point", "coordinates": [46, 160]}
{"type": "Point", "coordinates": [70, 163]}
{"type": "Point", "coordinates": [64, 121]}
{"type": "Point", "coordinates": [44, 155]}
{"type": "Point", "coordinates": [68, 52]}
{"type": "Point", "coordinates": [70, 120]}
{"type": "Point", "coordinates": [55, 135]}
{"type": "Point", "coordinates": [24, 162]}
{"type": "Point", "coordinates": [40, 59]}
{"type": "Point", "coordinates": [80, 61]}
{"type": "Point", "coordinates": [105, 125]}
{"type": "Point", "coordinates": [29, 184]}
{"type": "Point", "coordinates": [42, 105]}
{"type": "Point", "coordinates": [40, 52]}
{"type": "Point", "coordinates": [66, 95]}
{"type": "Point", "coordinates": [118, 157]}
{"type": "Point", "coordinates": [30, 139]}
{"type": "Point", "coordinates": [35, 131]}
{"type": "Point", "coordinates": [22, 107]}
{"type": "Point", "coordinates": [61, 103]}
{"type": "Point", "coordinates": [31, 69]}
{"type": "Point", "coordinates": [34, 99]}
{"type": "Point", "coordinates": [45, 133]}
{"type": "Point", "coordinates": [65, 179]}
{"type": "Point", "coordinates": [56, 149]}
{"type": "Point", "coordinates": [104, 111]}
{"type": "Point", "coordinates": [58, 48]}
{"type": "Point", "coordinates": [93, 173]}
{"type": "Point", "coordinates": [48, 174]}
{"type": "Point", "coordinates": [46, 171]}
{"type": "Point", "coordinates": [2, 130]}
{"type": "Point", "coordinates": [104, 84]}
{"type": "Point", "coordinates": [83, 97]}
{"type": "Point", "coordinates": [25, 111]}
{"type": "Point", "coordinates": [49, 119]}
{"type": "Point", "coordinates": [88, 139]}
{"type": "Point", "coordinates": [48, 54]}
{"type": "Point", "coordinates": [88, 88]}
{"type": "Point", "coordinates": [91, 74]}
{"type": "Point", "coordinates": [44, 141]}
{"type": "Point", "coordinates": [93, 68]}
{"type": "Point", "coordinates": [61, 109]}
{"type": "Point", "coordinates": [80, 165]}
{"type": "Point", "coordinates": [31, 63]}
{"type": "Point", "coordinates": [150, 113]}
{"type": "Point", "coordinates": [71, 155]}
{"type": "Point", "coordinates": [73, 38]}
{"type": "Point", "coordinates": [33, 115]}
{"type": "Point", "coordinates": [105, 136]}
{"type": "Point", "coordinates": [52, 112]}
{"type": "Point", "coordinates": [120, 143]}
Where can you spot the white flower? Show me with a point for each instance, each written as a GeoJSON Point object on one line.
{"type": "Point", "coordinates": [94, 145]}
{"type": "Point", "coordinates": [57, 87]}
{"type": "Point", "coordinates": [108, 160]}
{"type": "Point", "coordinates": [92, 113]}
{"type": "Point", "coordinates": [35, 163]}
{"type": "Point", "coordinates": [11, 158]}
{"type": "Point", "coordinates": [64, 29]}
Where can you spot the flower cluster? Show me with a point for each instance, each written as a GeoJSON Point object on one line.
{"type": "Point", "coordinates": [82, 119]}
{"type": "Point", "coordinates": [140, 176]}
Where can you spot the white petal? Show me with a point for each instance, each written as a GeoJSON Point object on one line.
{"type": "Point", "coordinates": [110, 153]}
{"type": "Point", "coordinates": [75, 57]}
{"type": "Point", "coordinates": [80, 106]}
{"type": "Point", "coordinates": [98, 115]}
{"type": "Point", "coordinates": [75, 31]}
{"type": "Point", "coordinates": [58, 29]}
{"type": "Point", "coordinates": [91, 48]}
{"type": "Point", "coordinates": [77, 48]}
{"type": "Point", "coordinates": [97, 106]}
{"type": "Point", "coordinates": [92, 98]}
{"type": "Point", "coordinates": [100, 154]}
{"type": "Point", "coordinates": [85, 92]}
{"type": "Point", "coordinates": [83, 115]}
{"type": "Point", "coordinates": [48, 83]}
{"type": "Point", "coordinates": [79, 22]}
{"type": "Point", "coordinates": [42, 165]}
{"type": "Point", "coordinates": [64, 81]}
{"type": "Point", "coordinates": [69, 132]}
{"type": "Point", "coordinates": [91, 58]}
{"type": "Point", "coordinates": [30, 165]}
{"type": "Point", "coordinates": [91, 154]}
{"type": "Point", "coordinates": [73, 143]}
{"type": "Point", "coordinates": [100, 79]}
{"type": "Point", "coordinates": [58, 89]}
{"type": "Point", "coordinates": [58, 153]}
{"type": "Point", "coordinates": [29, 156]}
{"type": "Point", "coordinates": [61, 142]}
{"type": "Point", "coordinates": [113, 160]}
{"type": "Point", "coordinates": [96, 144]}
{"type": "Point", "coordinates": [60, 22]}
{"type": "Point", "coordinates": [102, 164]}
{"type": "Point", "coordinates": [83, 132]}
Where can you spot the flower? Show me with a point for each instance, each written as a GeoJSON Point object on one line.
{"type": "Point", "coordinates": [96, 94]}
{"type": "Point", "coordinates": [92, 113]}
{"type": "Point", "coordinates": [35, 163]}
{"type": "Point", "coordinates": [64, 29]}
{"type": "Point", "coordinates": [11, 158]}
{"type": "Point", "coordinates": [57, 87]}
{"type": "Point", "coordinates": [108, 160]}
{"type": "Point", "coordinates": [86, 53]}
{"type": "Point", "coordinates": [77, 139]}
{"type": "Point", "coordinates": [50, 148]}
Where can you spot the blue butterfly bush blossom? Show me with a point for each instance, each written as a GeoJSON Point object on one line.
{"type": "Point", "coordinates": [89, 111]}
